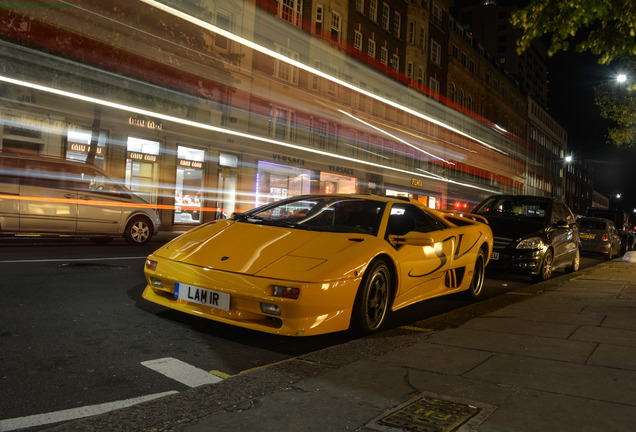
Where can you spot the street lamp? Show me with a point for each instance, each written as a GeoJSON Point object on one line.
{"type": "Point", "coordinates": [621, 78]}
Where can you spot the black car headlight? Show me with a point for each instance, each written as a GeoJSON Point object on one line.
{"type": "Point", "coordinates": [531, 243]}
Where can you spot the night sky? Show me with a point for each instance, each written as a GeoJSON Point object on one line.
{"type": "Point", "coordinates": [571, 102]}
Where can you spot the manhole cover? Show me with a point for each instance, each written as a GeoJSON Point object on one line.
{"type": "Point", "coordinates": [430, 415]}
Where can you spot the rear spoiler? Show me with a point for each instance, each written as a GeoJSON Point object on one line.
{"type": "Point", "coordinates": [471, 216]}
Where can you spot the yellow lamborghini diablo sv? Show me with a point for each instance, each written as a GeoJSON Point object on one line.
{"type": "Point", "coordinates": [315, 264]}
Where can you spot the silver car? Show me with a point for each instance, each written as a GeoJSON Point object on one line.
{"type": "Point", "coordinates": [48, 196]}
{"type": "Point", "coordinates": [599, 235]}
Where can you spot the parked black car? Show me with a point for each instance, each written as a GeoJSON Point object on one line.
{"type": "Point", "coordinates": [532, 235]}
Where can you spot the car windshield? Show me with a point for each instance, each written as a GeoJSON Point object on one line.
{"type": "Point", "coordinates": [589, 224]}
{"type": "Point", "coordinates": [321, 213]}
{"type": "Point", "coordinates": [519, 207]}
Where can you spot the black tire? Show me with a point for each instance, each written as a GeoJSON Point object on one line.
{"type": "Point", "coordinates": [372, 301]}
{"type": "Point", "coordinates": [576, 262]}
{"type": "Point", "coordinates": [545, 272]}
{"type": "Point", "coordinates": [476, 289]}
{"type": "Point", "coordinates": [138, 231]}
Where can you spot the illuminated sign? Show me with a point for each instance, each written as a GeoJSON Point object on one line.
{"type": "Point", "coordinates": [341, 170]}
{"type": "Point", "coordinates": [417, 182]}
{"type": "Point", "coordinates": [142, 157]}
{"type": "Point", "coordinates": [190, 164]}
{"type": "Point", "coordinates": [148, 124]}
{"type": "Point", "coordinates": [288, 159]}
{"type": "Point", "coordinates": [84, 148]}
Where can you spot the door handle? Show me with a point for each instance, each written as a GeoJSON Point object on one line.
{"type": "Point", "coordinates": [68, 196]}
{"type": "Point", "coordinates": [85, 197]}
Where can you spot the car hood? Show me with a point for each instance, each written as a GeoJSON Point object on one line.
{"type": "Point", "coordinates": [514, 228]}
{"type": "Point", "coordinates": [253, 248]}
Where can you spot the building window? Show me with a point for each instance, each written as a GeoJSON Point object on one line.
{"type": "Point", "coordinates": [433, 84]}
{"type": "Point", "coordinates": [385, 16]}
{"type": "Point", "coordinates": [411, 37]}
{"type": "Point", "coordinates": [464, 59]}
{"type": "Point", "coordinates": [371, 48]}
{"type": "Point", "coordinates": [437, 15]}
{"type": "Point", "coordinates": [336, 26]}
{"type": "Point", "coordinates": [471, 66]}
{"type": "Point", "coordinates": [397, 24]}
{"type": "Point", "coordinates": [455, 52]}
{"type": "Point", "coordinates": [395, 61]}
{"type": "Point", "coordinates": [461, 97]}
{"type": "Point", "coordinates": [384, 54]}
{"type": "Point", "coordinates": [290, 11]}
{"type": "Point", "coordinates": [223, 21]}
{"type": "Point", "coordinates": [357, 40]}
{"type": "Point", "coordinates": [284, 70]}
{"type": "Point", "coordinates": [452, 94]}
{"type": "Point", "coordinates": [436, 53]}
{"type": "Point", "coordinates": [487, 77]}
{"type": "Point", "coordinates": [469, 102]}
{"type": "Point", "coordinates": [319, 18]}
{"type": "Point", "coordinates": [420, 75]}
{"type": "Point", "coordinates": [373, 10]}
{"type": "Point", "coordinates": [360, 6]}
{"type": "Point", "coordinates": [282, 123]}
{"type": "Point", "coordinates": [409, 70]}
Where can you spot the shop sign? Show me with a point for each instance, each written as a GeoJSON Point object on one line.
{"type": "Point", "coordinates": [148, 124]}
{"type": "Point", "coordinates": [341, 170]}
{"type": "Point", "coordinates": [288, 159]}
{"type": "Point", "coordinates": [142, 156]}
{"type": "Point", "coordinates": [190, 164]}
{"type": "Point", "coordinates": [417, 182]}
{"type": "Point", "coordinates": [83, 148]}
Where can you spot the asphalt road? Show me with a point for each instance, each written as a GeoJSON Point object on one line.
{"type": "Point", "coordinates": [76, 333]}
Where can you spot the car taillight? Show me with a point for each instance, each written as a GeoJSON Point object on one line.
{"type": "Point", "coordinates": [605, 237]}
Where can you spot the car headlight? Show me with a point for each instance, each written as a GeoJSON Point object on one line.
{"type": "Point", "coordinates": [531, 243]}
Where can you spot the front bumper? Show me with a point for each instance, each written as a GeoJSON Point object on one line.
{"type": "Point", "coordinates": [320, 308]}
{"type": "Point", "coordinates": [525, 261]}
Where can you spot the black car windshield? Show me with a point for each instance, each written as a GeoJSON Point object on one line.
{"type": "Point", "coordinates": [321, 213]}
{"type": "Point", "coordinates": [530, 208]}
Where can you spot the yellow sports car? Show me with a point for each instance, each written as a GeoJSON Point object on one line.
{"type": "Point", "coordinates": [316, 264]}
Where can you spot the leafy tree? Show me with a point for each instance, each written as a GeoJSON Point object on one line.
{"type": "Point", "coordinates": [607, 29]}
{"type": "Point", "coordinates": [617, 103]}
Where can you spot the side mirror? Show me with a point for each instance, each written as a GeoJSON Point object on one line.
{"type": "Point", "coordinates": [562, 224]}
{"type": "Point", "coordinates": [412, 238]}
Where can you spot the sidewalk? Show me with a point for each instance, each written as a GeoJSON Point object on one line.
{"type": "Point", "coordinates": [561, 356]}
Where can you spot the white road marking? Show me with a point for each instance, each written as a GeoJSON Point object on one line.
{"type": "Point", "coordinates": [74, 413]}
{"type": "Point", "coordinates": [182, 372]}
{"type": "Point", "coordinates": [70, 259]}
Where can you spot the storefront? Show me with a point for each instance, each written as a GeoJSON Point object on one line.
{"type": "Point", "coordinates": [427, 199]}
{"type": "Point", "coordinates": [188, 185]}
{"type": "Point", "coordinates": [277, 181]}
{"type": "Point", "coordinates": [142, 168]}
{"type": "Point", "coordinates": [78, 144]}
{"type": "Point", "coordinates": [335, 183]}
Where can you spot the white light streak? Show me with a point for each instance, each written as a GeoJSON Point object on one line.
{"type": "Point", "coordinates": [304, 67]}
{"type": "Point", "coordinates": [191, 123]}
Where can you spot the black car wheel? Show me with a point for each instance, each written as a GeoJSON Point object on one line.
{"type": "Point", "coordinates": [138, 231]}
{"type": "Point", "coordinates": [545, 272]}
{"type": "Point", "coordinates": [576, 262]}
{"type": "Point", "coordinates": [372, 301]}
{"type": "Point", "coordinates": [477, 284]}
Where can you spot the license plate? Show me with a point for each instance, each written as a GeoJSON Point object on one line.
{"type": "Point", "coordinates": [202, 296]}
{"type": "Point", "coordinates": [494, 256]}
{"type": "Point", "coordinates": [587, 236]}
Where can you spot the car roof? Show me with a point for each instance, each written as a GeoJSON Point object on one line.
{"type": "Point", "coordinates": [48, 158]}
